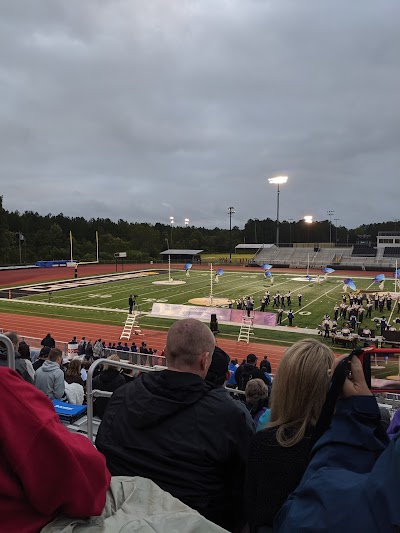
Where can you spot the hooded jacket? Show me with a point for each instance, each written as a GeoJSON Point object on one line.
{"type": "Point", "coordinates": [50, 380]}
{"type": "Point", "coordinates": [188, 437]}
{"type": "Point", "coordinates": [20, 365]}
{"type": "Point", "coordinates": [351, 483]}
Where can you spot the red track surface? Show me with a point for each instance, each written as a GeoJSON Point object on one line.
{"type": "Point", "coordinates": [64, 330]}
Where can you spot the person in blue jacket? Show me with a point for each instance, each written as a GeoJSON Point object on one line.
{"type": "Point", "coordinates": [232, 367]}
{"type": "Point", "coordinates": [352, 481]}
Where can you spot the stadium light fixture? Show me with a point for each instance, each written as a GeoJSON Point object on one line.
{"type": "Point", "coordinates": [308, 219]}
{"type": "Point", "coordinates": [172, 222]}
{"type": "Point", "coordinates": [278, 180]}
{"type": "Point", "coordinates": [186, 222]}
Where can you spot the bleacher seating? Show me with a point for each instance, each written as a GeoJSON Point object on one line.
{"type": "Point", "coordinates": [363, 250]}
{"type": "Point", "coordinates": [391, 251]}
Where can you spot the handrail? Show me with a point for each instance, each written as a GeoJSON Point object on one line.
{"type": "Point", "coordinates": [89, 386]}
{"type": "Point", "coordinates": [10, 351]}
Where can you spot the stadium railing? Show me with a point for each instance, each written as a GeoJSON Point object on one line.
{"type": "Point", "coordinates": [137, 358]}
{"type": "Point", "coordinates": [10, 351]}
{"type": "Point", "coordinates": [35, 343]}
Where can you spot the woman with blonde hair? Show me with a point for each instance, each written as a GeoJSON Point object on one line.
{"type": "Point", "coordinates": [279, 453]}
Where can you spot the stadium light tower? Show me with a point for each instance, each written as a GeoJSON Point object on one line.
{"type": "Point", "coordinates": [278, 180]}
{"type": "Point", "coordinates": [231, 211]}
{"type": "Point", "coordinates": [330, 214]}
{"type": "Point", "coordinates": [186, 222]}
{"type": "Point", "coordinates": [308, 219]}
{"type": "Point", "coordinates": [172, 222]}
{"type": "Point", "coordinates": [290, 220]}
{"type": "Point", "coordinates": [336, 220]}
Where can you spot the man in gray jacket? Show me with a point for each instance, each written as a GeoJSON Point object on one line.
{"type": "Point", "coordinates": [50, 378]}
{"type": "Point", "coordinates": [20, 363]}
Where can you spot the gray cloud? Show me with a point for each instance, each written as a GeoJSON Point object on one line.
{"type": "Point", "coordinates": [143, 110]}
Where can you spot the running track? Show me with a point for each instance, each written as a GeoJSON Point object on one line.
{"type": "Point", "coordinates": [64, 330]}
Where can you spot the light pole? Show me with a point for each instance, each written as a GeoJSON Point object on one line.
{"type": "Point", "coordinates": [330, 213]}
{"type": "Point", "coordinates": [186, 222]}
{"type": "Point", "coordinates": [171, 221]}
{"type": "Point", "coordinates": [278, 180]}
{"type": "Point", "coordinates": [231, 211]}
{"type": "Point", "coordinates": [255, 230]}
{"type": "Point", "coordinates": [308, 220]}
{"type": "Point", "coordinates": [169, 260]}
{"type": "Point", "coordinates": [336, 220]}
{"type": "Point", "coordinates": [290, 220]}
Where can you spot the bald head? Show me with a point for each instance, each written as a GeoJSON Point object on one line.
{"type": "Point", "coordinates": [188, 342]}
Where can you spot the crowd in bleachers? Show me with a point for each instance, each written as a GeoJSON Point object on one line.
{"type": "Point", "coordinates": [299, 444]}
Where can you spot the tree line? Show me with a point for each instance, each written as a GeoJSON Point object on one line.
{"type": "Point", "coordinates": [28, 237]}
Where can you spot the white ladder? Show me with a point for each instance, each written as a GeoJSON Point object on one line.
{"type": "Point", "coordinates": [131, 323]}
{"type": "Point", "coordinates": [246, 329]}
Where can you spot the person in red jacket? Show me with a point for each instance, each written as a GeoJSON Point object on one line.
{"type": "Point", "coordinates": [44, 469]}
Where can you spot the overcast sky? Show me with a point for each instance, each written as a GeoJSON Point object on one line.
{"type": "Point", "coordinates": [146, 109]}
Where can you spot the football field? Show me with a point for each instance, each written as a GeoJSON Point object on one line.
{"type": "Point", "coordinates": [110, 294]}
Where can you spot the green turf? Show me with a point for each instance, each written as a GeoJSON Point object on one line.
{"type": "Point", "coordinates": [318, 299]}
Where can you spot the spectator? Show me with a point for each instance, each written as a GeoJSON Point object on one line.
{"type": "Point", "coordinates": [279, 454]}
{"type": "Point", "coordinates": [85, 365]}
{"type": "Point", "coordinates": [35, 352]}
{"type": "Point", "coordinates": [108, 380]}
{"type": "Point", "coordinates": [21, 365]}
{"type": "Point", "coordinates": [249, 371]}
{"type": "Point", "coordinates": [231, 383]}
{"type": "Point", "coordinates": [50, 377]}
{"type": "Point", "coordinates": [25, 353]}
{"type": "Point", "coordinates": [82, 346]}
{"type": "Point", "coordinates": [37, 454]}
{"type": "Point", "coordinates": [256, 398]}
{"type": "Point", "coordinates": [73, 341]}
{"type": "Point", "coordinates": [97, 349]}
{"type": "Point", "coordinates": [176, 429]}
{"type": "Point", "coordinates": [143, 350]}
{"type": "Point", "coordinates": [43, 355]}
{"type": "Point", "coordinates": [134, 348]}
{"type": "Point", "coordinates": [48, 341]}
{"type": "Point", "coordinates": [351, 466]}
{"type": "Point", "coordinates": [73, 373]}
{"type": "Point", "coordinates": [218, 372]}
{"type": "Point", "coordinates": [89, 350]}
{"type": "Point", "coordinates": [266, 364]}
{"type": "Point", "coordinates": [263, 367]}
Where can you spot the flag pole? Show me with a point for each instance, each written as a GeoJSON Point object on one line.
{"type": "Point", "coordinates": [211, 284]}
{"type": "Point", "coordinates": [70, 243]}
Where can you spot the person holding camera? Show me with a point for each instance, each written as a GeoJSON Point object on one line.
{"type": "Point", "coordinates": [351, 466]}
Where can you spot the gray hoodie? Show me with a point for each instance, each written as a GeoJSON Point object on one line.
{"type": "Point", "coordinates": [50, 380]}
